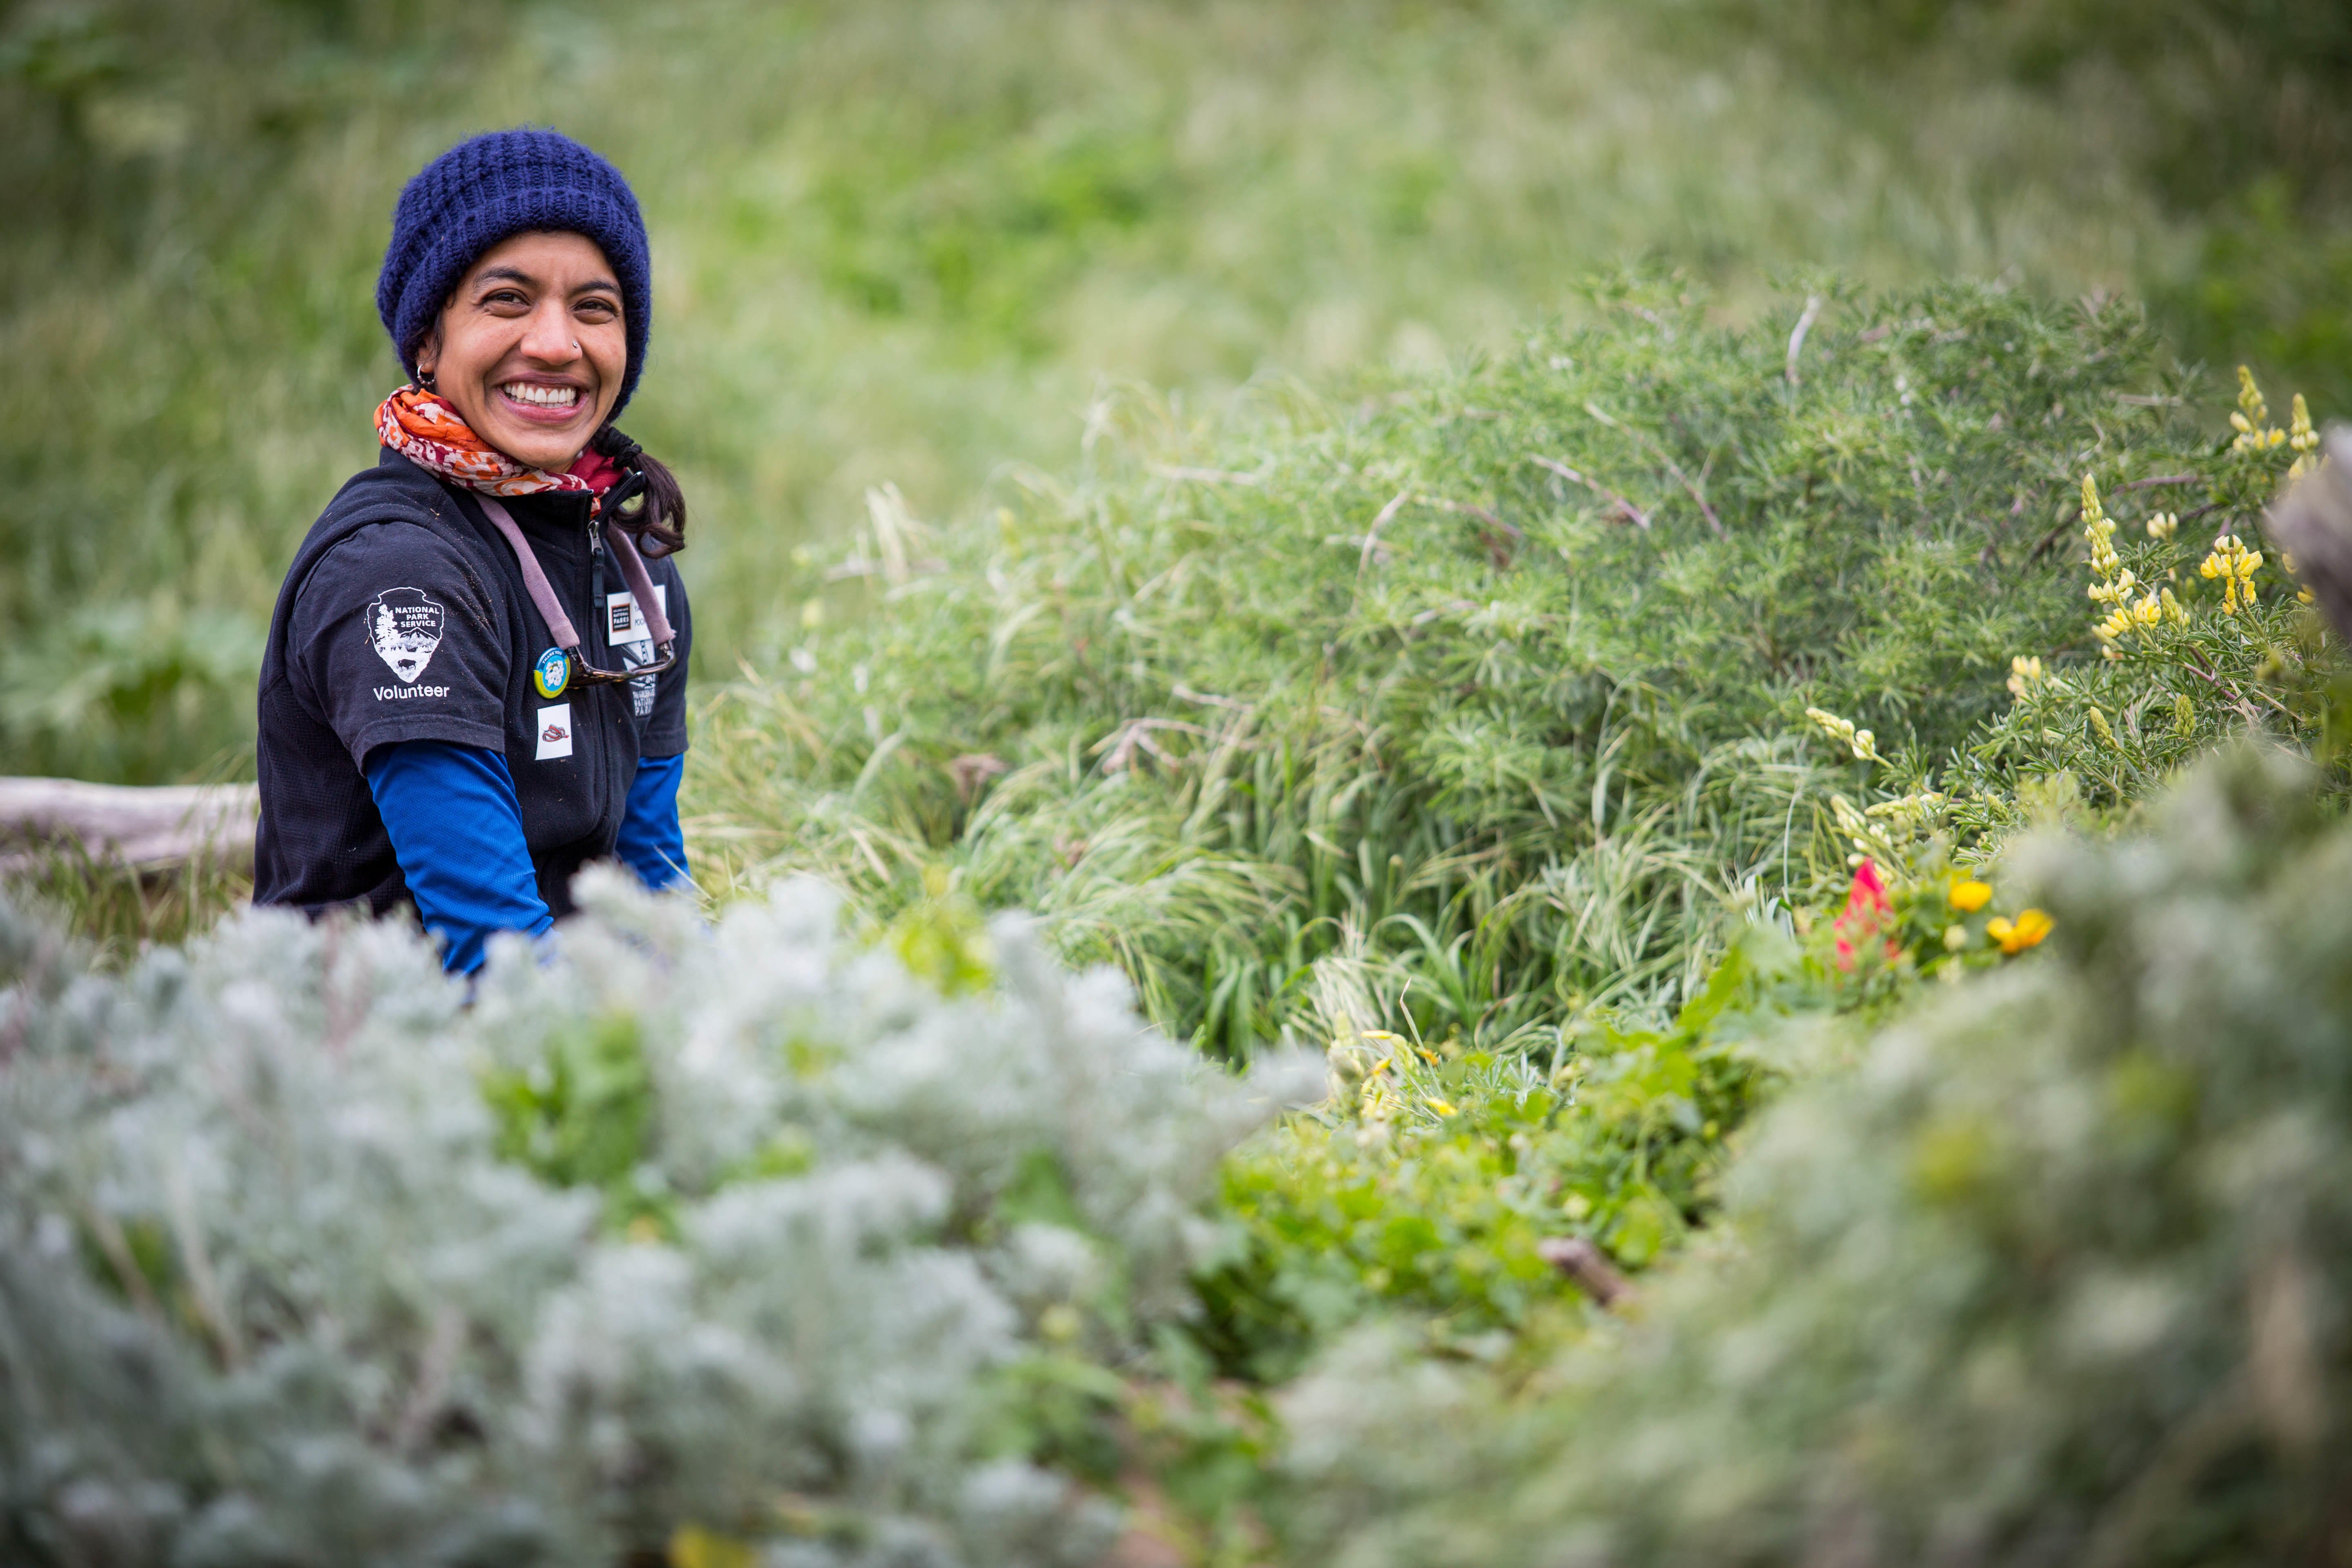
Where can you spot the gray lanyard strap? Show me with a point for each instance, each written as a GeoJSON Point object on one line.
{"type": "Point", "coordinates": [543, 593]}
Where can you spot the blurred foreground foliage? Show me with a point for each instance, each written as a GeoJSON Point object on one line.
{"type": "Point", "coordinates": [900, 242]}
{"type": "Point", "coordinates": [689, 1238]}
{"type": "Point", "coordinates": [2055, 1272]}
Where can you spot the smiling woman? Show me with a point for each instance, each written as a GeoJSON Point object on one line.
{"type": "Point", "coordinates": [434, 729]}
{"type": "Point", "coordinates": [531, 349]}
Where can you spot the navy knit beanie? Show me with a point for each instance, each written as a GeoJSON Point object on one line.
{"type": "Point", "coordinates": [490, 189]}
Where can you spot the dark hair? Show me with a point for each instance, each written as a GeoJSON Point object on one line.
{"type": "Point", "coordinates": [662, 531]}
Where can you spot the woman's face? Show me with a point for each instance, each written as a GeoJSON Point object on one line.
{"type": "Point", "coordinates": [530, 347]}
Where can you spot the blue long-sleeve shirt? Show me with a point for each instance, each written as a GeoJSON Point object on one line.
{"type": "Point", "coordinates": [651, 842]}
{"type": "Point", "coordinates": [456, 830]}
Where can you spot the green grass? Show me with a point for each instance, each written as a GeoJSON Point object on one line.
{"type": "Point", "coordinates": [905, 243]}
{"type": "Point", "coordinates": [121, 910]}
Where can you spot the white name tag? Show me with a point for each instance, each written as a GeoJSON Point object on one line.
{"type": "Point", "coordinates": [624, 626]}
{"type": "Point", "coordinates": [555, 732]}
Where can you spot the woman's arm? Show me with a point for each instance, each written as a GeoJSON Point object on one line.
{"type": "Point", "coordinates": [651, 842]}
{"type": "Point", "coordinates": [456, 831]}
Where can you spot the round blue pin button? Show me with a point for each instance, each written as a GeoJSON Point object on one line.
{"type": "Point", "coordinates": [553, 673]}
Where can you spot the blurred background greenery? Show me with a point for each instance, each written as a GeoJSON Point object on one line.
{"type": "Point", "coordinates": [904, 241]}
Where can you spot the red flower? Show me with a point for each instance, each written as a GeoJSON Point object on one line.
{"type": "Point", "coordinates": [1866, 910]}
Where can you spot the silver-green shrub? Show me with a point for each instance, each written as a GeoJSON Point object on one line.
{"type": "Point", "coordinates": [305, 1261]}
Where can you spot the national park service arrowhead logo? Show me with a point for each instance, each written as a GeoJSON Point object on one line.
{"type": "Point", "coordinates": [406, 627]}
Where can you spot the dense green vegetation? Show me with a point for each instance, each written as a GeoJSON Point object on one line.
{"type": "Point", "coordinates": [1777, 782]}
{"type": "Point", "coordinates": [1492, 685]}
{"type": "Point", "coordinates": [1464, 725]}
{"type": "Point", "coordinates": [2056, 1274]}
{"type": "Point", "coordinates": [902, 243]}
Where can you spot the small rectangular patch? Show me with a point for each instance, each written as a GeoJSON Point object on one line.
{"type": "Point", "coordinates": [622, 625]}
{"type": "Point", "coordinates": [555, 732]}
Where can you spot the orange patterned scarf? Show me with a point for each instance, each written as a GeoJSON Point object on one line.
{"type": "Point", "coordinates": [426, 429]}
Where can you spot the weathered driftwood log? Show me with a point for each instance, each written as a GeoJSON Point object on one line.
{"type": "Point", "coordinates": [147, 828]}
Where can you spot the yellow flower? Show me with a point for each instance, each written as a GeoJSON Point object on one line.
{"type": "Point", "coordinates": [2117, 589]}
{"type": "Point", "coordinates": [2305, 442]}
{"type": "Point", "coordinates": [2234, 565]}
{"type": "Point", "coordinates": [2172, 608]}
{"type": "Point", "coordinates": [1971, 895]}
{"type": "Point", "coordinates": [2099, 530]}
{"type": "Point", "coordinates": [2016, 936]}
{"type": "Point", "coordinates": [2252, 419]}
{"type": "Point", "coordinates": [691, 1546]}
{"type": "Point", "coordinates": [1439, 1106]}
{"type": "Point", "coordinates": [2163, 526]}
{"type": "Point", "coordinates": [1864, 744]}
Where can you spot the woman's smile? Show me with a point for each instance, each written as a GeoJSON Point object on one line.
{"type": "Point", "coordinates": [540, 399]}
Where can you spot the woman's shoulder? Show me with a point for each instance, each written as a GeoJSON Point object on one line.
{"type": "Point", "coordinates": [394, 505]}
{"type": "Point", "coordinates": [394, 490]}
{"type": "Point", "coordinates": [394, 522]}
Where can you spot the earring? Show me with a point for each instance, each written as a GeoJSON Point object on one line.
{"type": "Point", "coordinates": [424, 378]}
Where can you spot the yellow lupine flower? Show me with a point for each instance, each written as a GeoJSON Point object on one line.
{"type": "Point", "coordinates": [1439, 1106]}
{"type": "Point", "coordinates": [2252, 419]}
{"type": "Point", "coordinates": [2015, 936]}
{"type": "Point", "coordinates": [1970, 896]}
{"type": "Point", "coordinates": [1864, 744]}
{"type": "Point", "coordinates": [2234, 565]}
{"type": "Point", "coordinates": [2098, 530]}
{"type": "Point", "coordinates": [2163, 526]}
{"type": "Point", "coordinates": [2023, 672]}
{"type": "Point", "coordinates": [2116, 590]}
{"type": "Point", "coordinates": [2303, 440]}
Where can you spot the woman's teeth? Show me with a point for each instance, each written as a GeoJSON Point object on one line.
{"type": "Point", "coordinates": [543, 396]}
